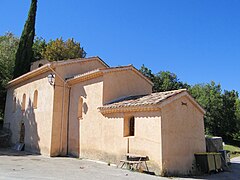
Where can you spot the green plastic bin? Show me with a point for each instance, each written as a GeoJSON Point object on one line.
{"type": "Point", "coordinates": [208, 162]}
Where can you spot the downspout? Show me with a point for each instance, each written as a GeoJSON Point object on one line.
{"type": "Point", "coordinates": [63, 105]}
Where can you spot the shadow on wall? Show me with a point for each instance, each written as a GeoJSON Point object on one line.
{"type": "Point", "coordinates": [31, 138]}
{"type": "Point", "coordinates": [24, 126]}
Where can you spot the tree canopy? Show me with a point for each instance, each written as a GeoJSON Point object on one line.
{"type": "Point", "coordinates": [222, 116]}
{"type": "Point", "coordinates": [8, 48]}
{"type": "Point", "coordinates": [163, 80]}
{"type": "Point", "coordinates": [41, 50]}
{"type": "Point", "coordinates": [24, 55]}
{"type": "Point", "coordinates": [58, 49]}
{"type": "Point", "coordinates": [39, 47]}
{"type": "Point", "coordinates": [222, 110]}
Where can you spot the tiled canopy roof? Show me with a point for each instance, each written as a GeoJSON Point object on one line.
{"type": "Point", "coordinates": [142, 100]}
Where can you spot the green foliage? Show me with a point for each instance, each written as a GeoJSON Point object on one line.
{"type": "Point", "coordinates": [39, 47]}
{"type": "Point", "coordinates": [147, 72]}
{"type": "Point", "coordinates": [222, 116]}
{"type": "Point", "coordinates": [163, 80]}
{"type": "Point", "coordinates": [228, 125]}
{"type": "Point", "coordinates": [222, 110]}
{"type": "Point", "coordinates": [209, 97]}
{"type": "Point", "coordinates": [166, 81]}
{"type": "Point", "coordinates": [8, 48]}
{"type": "Point", "coordinates": [24, 55]}
{"type": "Point", "coordinates": [62, 50]}
{"type": "Point", "coordinates": [236, 135]}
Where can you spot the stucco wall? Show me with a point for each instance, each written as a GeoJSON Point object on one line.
{"type": "Point", "coordinates": [124, 83]}
{"type": "Point", "coordinates": [38, 64]}
{"type": "Point", "coordinates": [101, 137]}
{"type": "Point", "coordinates": [182, 135]}
{"type": "Point", "coordinates": [38, 122]}
{"type": "Point", "coordinates": [59, 122]}
{"type": "Point", "coordinates": [147, 139]}
{"type": "Point", "coordinates": [61, 98]}
{"type": "Point", "coordinates": [85, 134]}
{"type": "Point", "coordinates": [72, 69]}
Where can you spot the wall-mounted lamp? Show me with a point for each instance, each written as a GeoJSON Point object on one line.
{"type": "Point", "coordinates": [51, 79]}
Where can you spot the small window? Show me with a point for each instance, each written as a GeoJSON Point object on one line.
{"type": "Point", "coordinates": [40, 65]}
{"type": "Point", "coordinates": [35, 99]}
{"type": "Point", "coordinates": [14, 104]}
{"type": "Point", "coordinates": [80, 107]}
{"type": "Point", "coordinates": [129, 126]}
{"type": "Point", "coordinates": [23, 102]}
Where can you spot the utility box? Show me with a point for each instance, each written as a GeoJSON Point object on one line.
{"type": "Point", "coordinates": [214, 144]}
{"type": "Point", "coordinates": [208, 162]}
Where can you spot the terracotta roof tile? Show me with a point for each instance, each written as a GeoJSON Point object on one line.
{"type": "Point", "coordinates": [142, 100]}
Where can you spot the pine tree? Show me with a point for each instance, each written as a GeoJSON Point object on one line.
{"type": "Point", "coordinates": [24, 53]}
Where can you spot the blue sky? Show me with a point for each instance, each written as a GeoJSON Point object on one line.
{"type": "Point", "coordinates": [199, 40]}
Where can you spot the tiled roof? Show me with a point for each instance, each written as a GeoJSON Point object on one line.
{"type": "Point", "coordinates": [142, 100]}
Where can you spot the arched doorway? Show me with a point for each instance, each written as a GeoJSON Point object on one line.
{"type": "Point", "coordinates": [22, 132]}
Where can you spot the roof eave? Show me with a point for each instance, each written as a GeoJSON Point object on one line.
{"type": "Point", "coordinates": [30, 75]}
{"type": "Point", "coordinates": [145, 108]}
{"type": "Point", "coordinates": [84, 78]}
{"type": "Point", "coordinates": [73, 61]}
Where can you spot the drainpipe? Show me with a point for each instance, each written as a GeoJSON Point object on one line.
{"type": "Point", "coordinates": [63, 106]}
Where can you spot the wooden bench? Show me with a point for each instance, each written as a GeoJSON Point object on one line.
{"type": "Point", "coordinates": [134, 161]}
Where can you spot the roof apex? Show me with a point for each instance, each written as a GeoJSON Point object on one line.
{"type": "Point", "coordinates": [53, 64]}
{"type": "Point", "coordinates": [110, 69]}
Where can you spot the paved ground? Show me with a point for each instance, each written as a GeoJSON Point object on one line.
{"type": "Point", "coordinates": [27, 166]}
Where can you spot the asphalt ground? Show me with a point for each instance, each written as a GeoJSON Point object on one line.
{"type": "Point", "coordinates": [23, 165]}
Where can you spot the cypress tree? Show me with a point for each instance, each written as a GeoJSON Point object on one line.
{"type": "Point", "coordinates": [24, 53]}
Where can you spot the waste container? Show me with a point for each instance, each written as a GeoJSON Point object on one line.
{"type": "Point", "coordinates": [208, 162]}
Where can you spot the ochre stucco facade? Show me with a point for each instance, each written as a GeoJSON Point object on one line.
{"type": "Point", "coordinates": [87, 112]}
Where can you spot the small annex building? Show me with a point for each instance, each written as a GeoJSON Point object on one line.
{"type": "Point", "coordinates": [84, 108]}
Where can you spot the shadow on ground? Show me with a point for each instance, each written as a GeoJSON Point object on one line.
{"type": "Point", "coordinates": [12, 152]}
{"type": "Point", "coordinates": [231, 174]}
{"type": "Point", "coordinates": [91, 170]}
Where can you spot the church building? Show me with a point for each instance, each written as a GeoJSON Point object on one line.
{"type": "Point", "coordinates": [86, 109]}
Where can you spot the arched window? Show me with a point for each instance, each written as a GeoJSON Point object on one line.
{"type": "Point", "coordinates": [35, 99]}
{"type": "Point", "coordinates": [14, 104]}
{"type": "Point", "coordinates": [23, 102]}
{"type": "Point", "coordinates": [80, 107]}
